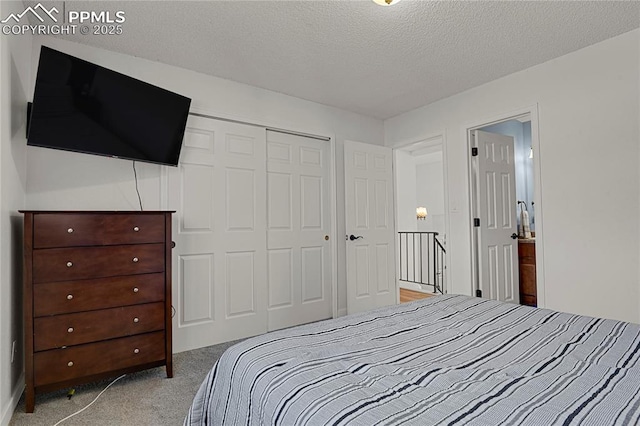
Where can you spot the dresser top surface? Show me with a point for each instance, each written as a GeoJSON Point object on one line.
{"type": "Point", "coordinates": [97, 211]}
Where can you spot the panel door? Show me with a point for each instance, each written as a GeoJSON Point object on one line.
{"type": "Point", "coordinates": [371, 278]}
{"type": "Point", "coordinates": [218, 192]}
{"type": "Point", "coordinates": [496, 204]}
{"type": "Point", "coordinates": [299, 257]}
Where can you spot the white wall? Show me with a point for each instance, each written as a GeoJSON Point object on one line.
{"type": "Point", "coordinates": [430, 191]}
{"type": "Point", "coordinates": [405, 187]}
{"type": "Point", "coordinates": [62, 180]}
{"type": "Point", "coordinates": [15, 89]}
{"type": "Point", "coordinates": [529, 174]}
{"type": "Point", "coordinates": [419, 182]}
{"type": "Point", "coordinates": [588, 104]}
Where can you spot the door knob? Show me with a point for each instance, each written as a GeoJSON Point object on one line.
{"type": "Point", "coordinates": [353, 237]}
{"type": "Point", "coordinates": [514, 236]}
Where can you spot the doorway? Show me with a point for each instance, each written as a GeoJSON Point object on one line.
{"type": "Point", "coordinates": [420, 218]}
{"type": "Point", "coordinates": [506, 220]}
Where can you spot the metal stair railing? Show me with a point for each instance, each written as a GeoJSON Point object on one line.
{"type": "Point", "coordinates": [422, 259]}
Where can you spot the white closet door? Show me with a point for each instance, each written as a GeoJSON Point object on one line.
{"type": "Point", "coordinates": [219, 194]}
{"type": "Point", "coordinates": [299, 256]}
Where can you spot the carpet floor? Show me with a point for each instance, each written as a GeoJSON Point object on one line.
{"type": "Point", "coordinates": [143, 398]}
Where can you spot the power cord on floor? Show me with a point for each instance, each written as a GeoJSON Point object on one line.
{"type": "Point", "coordinates": [91, 403]}
{"type": "Point", "coordinates": [135, 176]}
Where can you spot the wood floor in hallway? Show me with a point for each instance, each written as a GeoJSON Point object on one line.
{"type": "Point", "coordinates": [411, 295]}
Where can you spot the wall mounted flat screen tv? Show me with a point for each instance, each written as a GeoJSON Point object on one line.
{"type": "Point", "coordinates": [82, 107]}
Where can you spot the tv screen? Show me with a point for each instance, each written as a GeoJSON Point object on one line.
{"type": "Point", "coordinates": [79, 106]}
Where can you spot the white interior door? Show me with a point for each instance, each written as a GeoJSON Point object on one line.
{"type": "Point", "coordinates": [220, 267]}
{"type": "Point", "coordinates": [299, 256]}
{"type": "Point", "coordinates": [496, 208]}
{"type": "Point", "coordinates": [369, 218]}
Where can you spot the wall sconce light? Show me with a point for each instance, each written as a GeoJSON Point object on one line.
{"type": "Point", "coordinates": [386, 2]}
{"type": "Point", "coordinates": [421, 213]}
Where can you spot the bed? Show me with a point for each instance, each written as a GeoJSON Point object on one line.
{"type": "Point", "coordinates": [445, 360]}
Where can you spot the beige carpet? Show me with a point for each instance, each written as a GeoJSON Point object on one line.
{"type": "Point", "coordinates": [143, 398]}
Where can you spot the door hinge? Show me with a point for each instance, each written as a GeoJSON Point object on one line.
{"type": "Point", "coordinates": [478, 293]}
{"type": "Point", "coordinates": [476, 222]}
{"type": "Point", "coordinates": [474, 152]}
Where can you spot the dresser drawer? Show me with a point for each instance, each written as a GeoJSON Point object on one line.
{"type": "Point", "coordinates": [88, 295]}
{"type": "Point", "coordinates": [66, 264]}
{"type": "Point", "coordinates": [58, 365]}
{"type": "Point", "coordinates": [69, 230]}
{"type": "Point", "coordinates": [527, 252]}
{"type": "Point", "coordinates": [85, 327]}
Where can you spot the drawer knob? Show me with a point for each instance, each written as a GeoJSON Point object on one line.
{"type": "Point", "coordinates": [136, 229]}
{"type": "Point", "coordinates": [69, 296]}
{"type": "Point", "coordinates": [136, 351]}
{"type": "Point", "coordinates": [136, 319]}
{"type": "Point", "coordinates": [135, 289]}
{"type": "Point", "coordinates": [70, 330]}
{"type": "Point", "coordinates": [69, 264]}
{"type": "Point", "coordinates": [70, 364]}
{"type": "Point", "coordinates": [70, 230]}
{"type": "Point", "coordinates": [135, 260]}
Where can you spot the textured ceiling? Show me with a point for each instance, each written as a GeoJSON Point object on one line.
{"type": "Point", "coordinates": [355, 55]}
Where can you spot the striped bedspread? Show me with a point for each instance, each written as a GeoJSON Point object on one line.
{"type": "Point", "coordinates": [446, 360]}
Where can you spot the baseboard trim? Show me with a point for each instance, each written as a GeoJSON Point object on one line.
{"type": "Point", "coordinates": [414, 287]}
{"type": "Point", "coordinates": [7, 412]}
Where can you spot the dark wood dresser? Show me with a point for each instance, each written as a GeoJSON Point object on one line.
{"type": "Point", "coordinates": [97, 296]}
{"type": "Point", "coordinates": [527, 265]}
